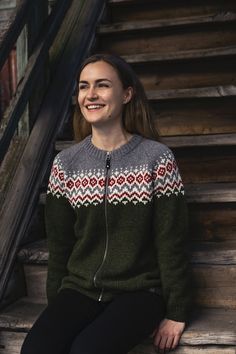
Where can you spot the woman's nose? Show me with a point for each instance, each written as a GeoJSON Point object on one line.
{"type": "Point", "coordinates": [91, 94]}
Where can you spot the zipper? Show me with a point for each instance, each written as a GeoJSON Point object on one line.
{"type": "Point", "coordinates": [108, 165]}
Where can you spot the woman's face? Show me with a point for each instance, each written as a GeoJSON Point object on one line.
{"type": "Point", "coordinates": [101, 94]}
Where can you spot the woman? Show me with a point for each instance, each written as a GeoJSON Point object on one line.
{"type": "Point", "coordinates": [116, 223]}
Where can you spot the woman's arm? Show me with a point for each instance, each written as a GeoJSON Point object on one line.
{"type": "Point", "coordinates": [59, 220]}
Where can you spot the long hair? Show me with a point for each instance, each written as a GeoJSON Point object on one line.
{"type": "Point", "coordinates": [137, 117]}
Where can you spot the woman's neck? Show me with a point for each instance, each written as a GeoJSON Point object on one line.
{"type": "Point", "coordinates": [110, 141]}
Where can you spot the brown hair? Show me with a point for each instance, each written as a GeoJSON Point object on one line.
{"type": "Point", "coordinates": [137, 116]}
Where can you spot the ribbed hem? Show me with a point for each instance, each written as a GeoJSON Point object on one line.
{"type": "Point", "coordinates": [115, 154]}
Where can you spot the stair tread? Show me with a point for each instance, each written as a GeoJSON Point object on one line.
{"type": "Point", "coordinates": [21, 315]}
{"type": "Point", "coordinates": [198, 92]}
{"type": "Point", "coordinates": [180, 55]}
{"type": "Point", "coordinates": [202, 253]}
{"type": "Point", "coordinates": [213, 18]}
{"type": "Point", "coordinates": [201, 193]}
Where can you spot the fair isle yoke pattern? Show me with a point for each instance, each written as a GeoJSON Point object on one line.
{"type": "Point", "coordinates": [136, 184]}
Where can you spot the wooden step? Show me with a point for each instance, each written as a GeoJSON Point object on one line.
{"type": "Point", "coordinates": [194, 54]}
{"type": "Point", "coordinates": [212, 222]}
{"type": "Point", "coordinates": [212, 253]}
{"type": "Point", "coordinates": [121, 27]}
{"type": "Point", "coordinates": [200, 193]}
{"type": "Point", "coordinates": [211, 193]}
{"type": "Point", "coordinates": [178, 141]}
{"type": "Point", "coordinates": [213, 264]}
{"type": "Point", "coordinates": [211, 327]}
{"type": "Point", "coordinates": [195, 116]}
{"type": "Point", "coordinates": [185, 69]}
{"type": "Point", "coordinates": [164, 36]}
{"type": "Point", "coordinates": [201, 92]}
{"type": "Point", "coordinates": [131, 10]}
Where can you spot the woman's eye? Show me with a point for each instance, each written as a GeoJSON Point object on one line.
{"type": "Point", "coordinates": [103, 85]}
{"type": "Point", "coordinates": [82, 87]}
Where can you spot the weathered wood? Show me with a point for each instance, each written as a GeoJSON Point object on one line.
{"type": "Point", "coordinates": [33, 69]}
{"type": "Point", "coordinates": [190, 117]}
{"type": "Point", "coordinates": [211, 193]}
{"type": "Point", "coordinates": [13, 29]}
{"type": "Point", "coordinates": [212, 222]}
{"type": "Point", "coordinates": [149, 349]}
{"type": "Point", "coordinates": [201, 92]}
{"type": "Point", "coordinates": [22, 197]}
{"type": "Point", "coordinates": [121, 10]}
{"type": "Point", "coordinates": [35, 276]}
{"type": "Point", "coordinates": [214, 253]}
{"type": "Point", "coordinates": [214, 18]}
{"type": "Point", "coordinates": [204, 72]}
{"type": "Point", "coordinates": [184, 55]}
{"type": "Point", "coordinates": [221, 323]}
{"type": "Point", "coordinates": [169, 41]}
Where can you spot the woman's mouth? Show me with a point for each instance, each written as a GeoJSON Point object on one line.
{"type": "Point", "coordinates": [92, 107]}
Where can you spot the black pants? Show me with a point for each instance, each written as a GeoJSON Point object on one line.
{"type": "Point", "coordinates": [76, 324]}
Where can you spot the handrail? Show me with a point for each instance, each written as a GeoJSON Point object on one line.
{"type": "Point", "coordinates": [18, 21]}
{"type": "Point", "coordinates": [23, 194]}
{"type": "Point", "coordinates": [33, 69]}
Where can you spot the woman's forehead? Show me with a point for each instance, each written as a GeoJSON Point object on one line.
{"type": "Point", "coordinates": [98, 70]}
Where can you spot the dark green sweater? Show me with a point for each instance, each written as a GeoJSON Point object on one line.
{"type": "Point", "coordinates": [117, 222]}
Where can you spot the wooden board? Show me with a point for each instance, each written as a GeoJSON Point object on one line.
{"type": "Point", "coordinates": [212, 222]}
{"type": "Point", "coordinates": [202, 116]}
{"type": "Point", "coordinates": [122, 10]}
{"type": "Point", "coordinates": [190, 74]}
{"type": "Point", "coordinates": [149, 349]}
{"type": "Point", "coordinates": [168, 41]}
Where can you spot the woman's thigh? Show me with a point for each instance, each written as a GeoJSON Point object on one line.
{"type": "Point", "coordinates": [60, 322]}
{"type": "Point", "coordinates": [124, 323]}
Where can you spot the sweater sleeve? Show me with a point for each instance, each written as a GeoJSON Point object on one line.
{"type": "Point", "coordinates": [170, 230]}
{"type": "Point", "coordinates": [59, 220]}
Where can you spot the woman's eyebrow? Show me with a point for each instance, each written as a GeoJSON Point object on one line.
{"type": "Point", "coordinates": [97, 81]}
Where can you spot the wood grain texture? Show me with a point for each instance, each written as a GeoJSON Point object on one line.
{"type": "Point", "coordinates": [214, 18]}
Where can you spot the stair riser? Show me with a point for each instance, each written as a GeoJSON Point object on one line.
{"type": "Point", "coordinates": [193, 117]}
{"type": "Point", "coordinates": [11, 342]}
{"type": "Point", "coordinates": [134, 11]}
{"type": "Point", "coordinates": [168, 41]}
{"type": "Point", "coordinates": [212, 222]}
{"type": "Point", "coordinates": [208, 164]}
{"type": "Point", "coordinates": [215, 284]}
{"type": "Point", "coordinates": [187, 75]}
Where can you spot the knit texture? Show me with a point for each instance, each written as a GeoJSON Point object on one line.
{"type": "Point", "coordinates": [117, 222]}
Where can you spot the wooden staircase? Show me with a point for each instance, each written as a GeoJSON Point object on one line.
{"type": "Point", "coordinates": [184, 53]}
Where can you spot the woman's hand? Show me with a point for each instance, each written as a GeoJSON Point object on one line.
{"type": "Point", "coordinates": [167, 335]}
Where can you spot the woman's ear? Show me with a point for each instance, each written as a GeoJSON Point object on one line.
{"type": "Point", "coordinates": [128, 94]}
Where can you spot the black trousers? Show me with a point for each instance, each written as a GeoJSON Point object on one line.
{"type": "Point", "coordinates": [76, 324]}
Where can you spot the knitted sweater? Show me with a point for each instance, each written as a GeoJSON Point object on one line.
{"type": "Point", "coordinates": [117, 222]}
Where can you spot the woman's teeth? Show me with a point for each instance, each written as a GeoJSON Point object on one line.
{"type": "Point", "coordinates": [94, 106]}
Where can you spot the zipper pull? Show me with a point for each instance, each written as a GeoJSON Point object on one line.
{"type": "Point", "coordinates": [108, 161]}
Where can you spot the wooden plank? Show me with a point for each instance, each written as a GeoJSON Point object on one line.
{"type": "Point", "coordinates": [13, 29]}
{"type": "Point", "coordinates": [181, 55]}
{"type": "Point", "coordinates": [214, 253]}
{"type": "Point", "coordinates": [25, 87]}
{"type": "Point", "coordinates": [208, 327]}
{"type": "Point", "coordinates": [212, 222]}
{"type": "Point", "coordinates": [11, 342]}
{"type": "Point", "coordinates": [149, 349]}
{"type": "Point", "coordinates": [164, 41]}
{"type": "Point", "coordinates": [22, 197]}
{"type": "Point", "coordinates": [190, 117]}
{"type": "Point", "coordinates": [137, 10]}
{"type": "Point", "coordinates": [201, 92]}
{"type": "Point", "coordinates": [211, 193]}
{"type": "Point", "coordinates": [214, 18]}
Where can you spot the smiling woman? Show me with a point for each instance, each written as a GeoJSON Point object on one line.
{"type": "Point", "coordinates": [116, 223]}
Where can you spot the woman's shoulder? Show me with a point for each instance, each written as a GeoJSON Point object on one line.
{"type": "Point", "coordinates": [68, 155]}
{"type": "Point", "coordinates": [156, 149]}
